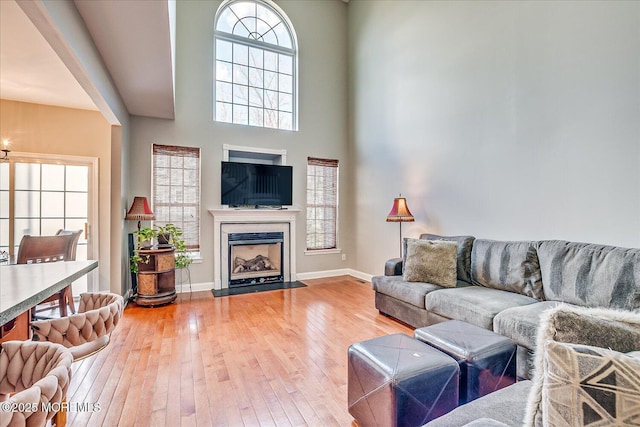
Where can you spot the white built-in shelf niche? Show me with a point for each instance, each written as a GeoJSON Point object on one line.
{"type": "Point", "coordinates": [264, 156]}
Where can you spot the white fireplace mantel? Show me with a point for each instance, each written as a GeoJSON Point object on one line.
{"type": "Point", "coordinates": [251, 216]}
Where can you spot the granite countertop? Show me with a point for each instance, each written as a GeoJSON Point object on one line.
{"type": "Point", "coordinates": [25, 285]}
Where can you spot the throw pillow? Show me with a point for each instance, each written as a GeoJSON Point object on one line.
{"type": "Point", "coordinates": [585, 385]}
{"type": "Point", "coordinates": [431, 261]}
{"type": "Point", "coordinates": [599, 327]}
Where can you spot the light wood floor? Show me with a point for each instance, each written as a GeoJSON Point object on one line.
{"type": "Point", "coordinates": [274, 358]}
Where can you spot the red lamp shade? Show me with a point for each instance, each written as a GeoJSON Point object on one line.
{"type": "Point", "coordinates": [400, 211]}
{"type": "Point", "coordinates": [140, 210]}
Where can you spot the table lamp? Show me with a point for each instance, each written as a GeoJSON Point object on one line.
{"type": "Point", "coordinates": [140, 211]}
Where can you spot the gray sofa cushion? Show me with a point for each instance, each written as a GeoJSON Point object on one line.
{"type": "Point", "coordinates": [508, 266]}
{"type": "Point", "coordinates": [465, 244]}
{"type": "Point", "coordinates": [506, 406]}
{"type": "Point", "coordinates": [410, 292]}
{"type": "Point", "coordinates": [590, 275]}
{"type": "Point", "coordinates": [474, 304]}
{"type": "Point", "coordinates": [521, 323]}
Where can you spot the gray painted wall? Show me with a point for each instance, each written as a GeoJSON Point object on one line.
{"type": "Point", "coordinates": [321, 28]}
{"type": "Point", "coordinates": [504, 120]}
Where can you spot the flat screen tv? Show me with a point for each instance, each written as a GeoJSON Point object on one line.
{"type": "Point", "coordinates": [256, 185]}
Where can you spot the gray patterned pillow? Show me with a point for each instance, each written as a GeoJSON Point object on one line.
{"type": "Point", "coordinates": [431, 261]}
{"type": "Point", "coordinates": [585, 385]}
{"type": "Point", "coordinates": [616, 330]}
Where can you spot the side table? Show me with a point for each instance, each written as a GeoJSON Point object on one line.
{"type": "Point", "coordinates": [156, 278]}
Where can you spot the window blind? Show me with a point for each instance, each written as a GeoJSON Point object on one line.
{"type": "Point", "coordinates": [322, 203]}
{"type": "Point", "coordinates": [176, 190]}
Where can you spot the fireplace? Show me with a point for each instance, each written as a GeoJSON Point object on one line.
{"type": "Point", "coordinates": [252, 221]}
{"type": "Point", "coordinates": [255, 258]}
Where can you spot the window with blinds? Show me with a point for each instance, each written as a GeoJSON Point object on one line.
{"type": "Point", "coordinates": [176, 190]}
{"type": "Point", "coordinates": [322, 203]}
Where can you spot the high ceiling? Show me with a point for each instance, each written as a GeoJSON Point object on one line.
{"type": "Point", "coordinates": [134, 41]}
{"type": "Point", "coordinates": [30, 71]}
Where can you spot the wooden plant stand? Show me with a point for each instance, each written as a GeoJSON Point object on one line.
{"type": "Point", "coordinates": [157, 278]}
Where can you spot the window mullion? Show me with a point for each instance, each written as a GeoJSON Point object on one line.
{"type": "Point", "coordinates": [254, 43]}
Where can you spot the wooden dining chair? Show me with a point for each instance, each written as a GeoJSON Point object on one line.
{"type": "Point", "coordinates": [41, 249]}
{"type": "Point", "coordinates": [74, 246]}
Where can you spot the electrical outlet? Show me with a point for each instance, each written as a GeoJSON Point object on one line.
{"type": "Point", "coordinates": [344, 257]}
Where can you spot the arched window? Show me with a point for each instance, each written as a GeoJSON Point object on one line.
{"type": "Point", "coordinates": [256, 64]}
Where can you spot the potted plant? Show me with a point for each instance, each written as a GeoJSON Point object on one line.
{"type": "Point", "coordinates": [170, 234]}
{"type": "Point", "coordinates": [144, 237]}
{"type": "Point", "coordinates": [143, 240]}
{"type": "Point", "coordinates": [167, 234]}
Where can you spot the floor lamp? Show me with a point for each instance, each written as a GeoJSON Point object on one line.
{"type": "Point", "coordinates": [400, 213]}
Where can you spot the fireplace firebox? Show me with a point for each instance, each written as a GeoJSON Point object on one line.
{"type": "Point", "coordinates": [255, 258]}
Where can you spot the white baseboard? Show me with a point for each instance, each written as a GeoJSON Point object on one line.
{"type": "Point", "coordinates": [333, 273]}
{"type": "Point", "coordinates": [195, 287]}
{"type": "Point", "coordinates": [207, 286]}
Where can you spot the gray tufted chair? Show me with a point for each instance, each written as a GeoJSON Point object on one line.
{"type": "Point", "coordinates": [87, 331]}
{"type": "Point", "coordinates": [38, 374]}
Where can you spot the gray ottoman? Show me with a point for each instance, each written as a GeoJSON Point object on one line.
{"type": "Point", "coordinates": [395, 380]}
{"type": "Point", "coordinates": [487, 360]}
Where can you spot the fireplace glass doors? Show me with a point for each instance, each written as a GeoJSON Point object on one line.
{"type": "Point", "coordinates": [255, 258]}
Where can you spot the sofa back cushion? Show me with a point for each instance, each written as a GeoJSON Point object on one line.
{"type": "Point", "coordinates": [590, 275]}
{"type": "Point", "coordinates": [465, 243]}
{"type": "Point", "coordinates": [507, 266]}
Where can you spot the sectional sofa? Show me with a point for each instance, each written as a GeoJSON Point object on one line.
{"type": "Point", "coordinates": [505, 286]}
{"type": "Point", "coordinates": [587, 374]}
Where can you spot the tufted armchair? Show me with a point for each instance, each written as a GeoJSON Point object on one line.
{"type": "Point", "coordinates": [38, 374]}
{"type": "Point", "coordinates": [87, 331]}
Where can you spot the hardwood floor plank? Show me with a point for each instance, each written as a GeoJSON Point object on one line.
{"type": "Point", "coordinates": [275, 358]}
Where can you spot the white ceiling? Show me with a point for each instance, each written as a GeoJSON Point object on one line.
{"type": "Point", "coordinates": [30, 71]}
{"type": "Point", "coordinates": [133, 38]}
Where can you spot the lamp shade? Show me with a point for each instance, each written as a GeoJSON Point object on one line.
{"type": "Point", "coordinates": [400, 211]}
{"type": "Point", "coordinates": [140, 210]}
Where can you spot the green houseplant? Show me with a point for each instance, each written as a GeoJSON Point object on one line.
{"type": "Point", "coordinates": [168, 234]}
{"type": "Point", "coordinates": [143, 239]}
{"type": "Point", "coordinates": [172, 235]}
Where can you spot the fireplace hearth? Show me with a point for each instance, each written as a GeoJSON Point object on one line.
{"type": "Point", "coordinates": [255, 258]}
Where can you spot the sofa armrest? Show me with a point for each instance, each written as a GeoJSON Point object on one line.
{"type": "Point", "coordinates": [393, 267]}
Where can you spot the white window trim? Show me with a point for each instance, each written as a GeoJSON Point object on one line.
{"type": "Point", "coordinates": [323, 251]}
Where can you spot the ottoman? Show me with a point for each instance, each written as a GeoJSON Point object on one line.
{"type": "Point", "coordinates": [487, 360]}
{"type": "Point", "coordinates": [395, 380]}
